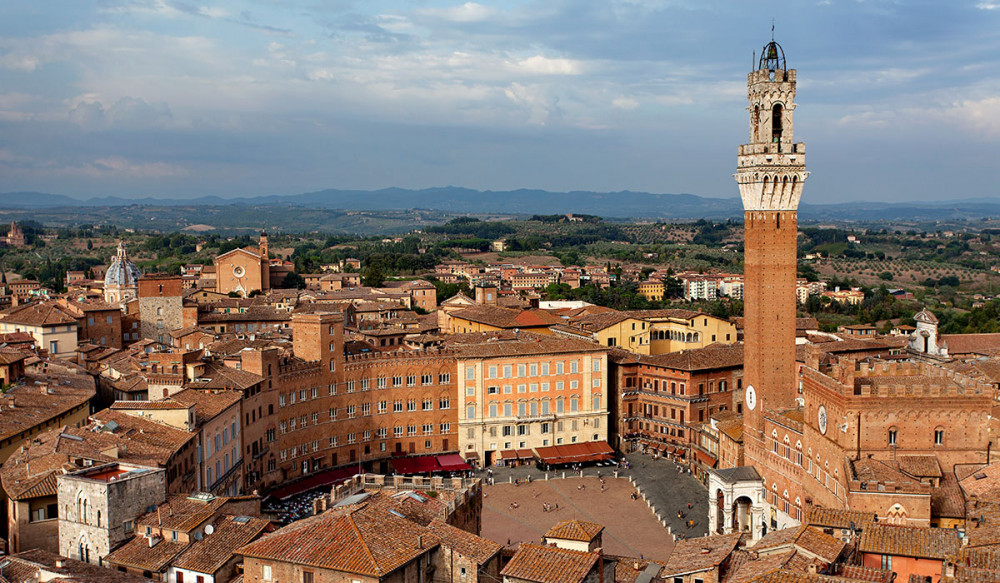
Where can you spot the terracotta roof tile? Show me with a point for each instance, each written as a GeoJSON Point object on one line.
{"type": "Point", "coordinates": [909, 541]}
{"type": "Point", "coordinates": [39, 397]}
{"type": "Point", "coordinates": [746, 566]}
{"type": "Point", "coordinates": [24, 566]}
{"type": "Point", "coordinates": [360, 541]}
{"type": "Point", "coordinates": [700, 554]}
{"type": "Point", "coordinates": [137, 554]}
{"type": "Point", "coordinates": [710, 357]}
{"type": "Point", "coordinates": [506, 343]}
{"type": "Point", "coordinates": [837, 518]}
{"type": "Point", "coordinates": [182, 513]}
{"type": "Point", "coordinates": [543, 564]}
{"type": "Point", "coordinates": [211, 553]}
{"type": "Point", "coordinates": [38, 314]}
{"type": "Point", "coordinates": [477, 548]}
{"type": "Point", "coordinates": [574, 529]}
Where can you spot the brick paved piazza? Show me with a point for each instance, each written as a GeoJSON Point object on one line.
{"type": "Point", "coordinates": [631, 529]}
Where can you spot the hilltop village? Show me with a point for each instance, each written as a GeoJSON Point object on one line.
{"type": "Point", "coordinates": [217, 426]}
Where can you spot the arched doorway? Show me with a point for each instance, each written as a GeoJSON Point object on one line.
{"type": "Point", "coordinates": [741, 514]}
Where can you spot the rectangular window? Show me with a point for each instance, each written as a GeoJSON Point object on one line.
{"type": "Point", "coordinates": [493, 372]}
{"type": "Point", "coordinates": [470, 373]}
{"type": "Point", "coordinates": [597, 365]}
{"type": "Point", "coordinates": [533, 370]}
{"type": "Point", "coordinates": [545, 369]}
{"type": "Point", "coordinates": [506, 371]}
{"type": "Point", "coordinates": [574, 366]}
{"type": "Point", "coordinates": [521, 370]}
{"type": "Point", "coordinates": [470, 411]}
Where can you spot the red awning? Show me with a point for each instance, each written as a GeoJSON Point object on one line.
{"type": "Point", "coordinates": [575, 453]}
{"type": "Point", "coordinates": [705, 458]}
{"type": "Point", "coordinates": [508, 454]}
{"type": "Point", "coordinates": [452, 462]}
{"type": "Point", "coordinates": [416, 465]}
{"type": "Point", "coordinates": [525, 454]}
{"type": "Point", "coordinates": [472, 455]}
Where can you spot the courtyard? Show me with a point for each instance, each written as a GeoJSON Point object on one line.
{"type": "Point", "coordinates": [513, 512]}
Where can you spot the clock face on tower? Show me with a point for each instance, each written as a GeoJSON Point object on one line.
{"type": "Point", "coordinates": [822, 419]}
{"type": "Point", "coordinates": [751, 397]}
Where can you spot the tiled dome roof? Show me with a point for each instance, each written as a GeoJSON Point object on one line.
{"type": "Point", "coordinates": [122, 272]}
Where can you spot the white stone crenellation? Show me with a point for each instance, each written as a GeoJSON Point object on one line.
{"type": "Point", "coordinates": [771, 168]}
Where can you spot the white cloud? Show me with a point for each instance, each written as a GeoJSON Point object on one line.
{"type": "Point", "coordinates": [213, 12]}
{"type": "Point", "coordinates": [979, 116]}
{"type": "Point", "coordinates": [533, 99]}
{"type": "Point", "coordinates": [623, 102]}
{"type": "Point", "coordinates": [120, 166]}
{"type": "Point", "coordinates": [468, 12]}
{"type": "Point", "coordinates": [988, 5]}
{"type": "Point", "coordinates": [126, 113]}
{"type": "Point", "coordinates": [546, 66]}
{"type": "Point", "coordinates": [19, 62]}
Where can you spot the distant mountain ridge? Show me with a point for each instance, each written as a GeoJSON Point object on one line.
{"type": "Point", "coordinates": [623, 204]}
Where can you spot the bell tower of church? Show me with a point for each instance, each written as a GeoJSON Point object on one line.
{"type": "Point", "coordinates": [771, 170]}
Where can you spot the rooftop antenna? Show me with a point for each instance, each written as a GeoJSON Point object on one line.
{"type": "Point", "coordinates": [772, 30]}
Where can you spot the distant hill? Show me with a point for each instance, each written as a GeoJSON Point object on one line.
{"type": "Point", "coordinates": [624, 204]}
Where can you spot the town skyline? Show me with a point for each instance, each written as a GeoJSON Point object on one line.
{"type": "Point", "coordinates": [173, 99]}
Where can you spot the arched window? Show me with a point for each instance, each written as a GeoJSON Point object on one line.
{"type": "Point", "coordinates": [939, 436]}
{"type": "Point", "coordinates": [893, 435]}
{"type": "Point", "coordinates": [776, 114]}
{"type": "Point", "coordinates": [756, 121]}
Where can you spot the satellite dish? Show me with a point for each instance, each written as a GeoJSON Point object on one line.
{"type": "Point", "coordinates": [209, 529]}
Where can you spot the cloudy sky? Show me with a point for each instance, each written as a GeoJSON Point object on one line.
{"type": "Point", "coordinates": [898, 99]}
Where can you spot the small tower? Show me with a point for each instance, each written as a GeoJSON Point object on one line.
{"type": "Point", "coordinates": [263, 245]}
{"type": "Point", "coordinates": [925, 344]}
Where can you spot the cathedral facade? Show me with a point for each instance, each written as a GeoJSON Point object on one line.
{"type": "Point", "coordinates": [244, 270]}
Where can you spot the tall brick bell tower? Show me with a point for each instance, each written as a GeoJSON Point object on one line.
{"type": "Point", "coordinates": [771, 170]}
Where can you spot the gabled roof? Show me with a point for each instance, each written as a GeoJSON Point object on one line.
{"type": "Point", "coordinates": [715, 356]}
{"type": "Point", "coordinates": [700, 554]}
{"type": "Point", "coordinates": [542, 564]}
{"type": "Point", "coordinates": [360, 542]}
{"type": "Point", "coordinates": [909, 541]}
{"type": "Point", "coordinates": [578, 530]}
{"type": "Point", "coordinates": [836, 518]}
{"type": "Point", "coordinates": [251, 251]}
{"type": "Point", "coordinates": [211, 553]}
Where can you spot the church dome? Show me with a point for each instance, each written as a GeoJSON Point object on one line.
{"type": "Point", "coordinates": [122, 272]}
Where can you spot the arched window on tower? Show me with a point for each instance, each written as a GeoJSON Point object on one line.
{"type": "Point", "coordinates": [776, 115]}
{"type": "Point", "coordinates": [756, 122]}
